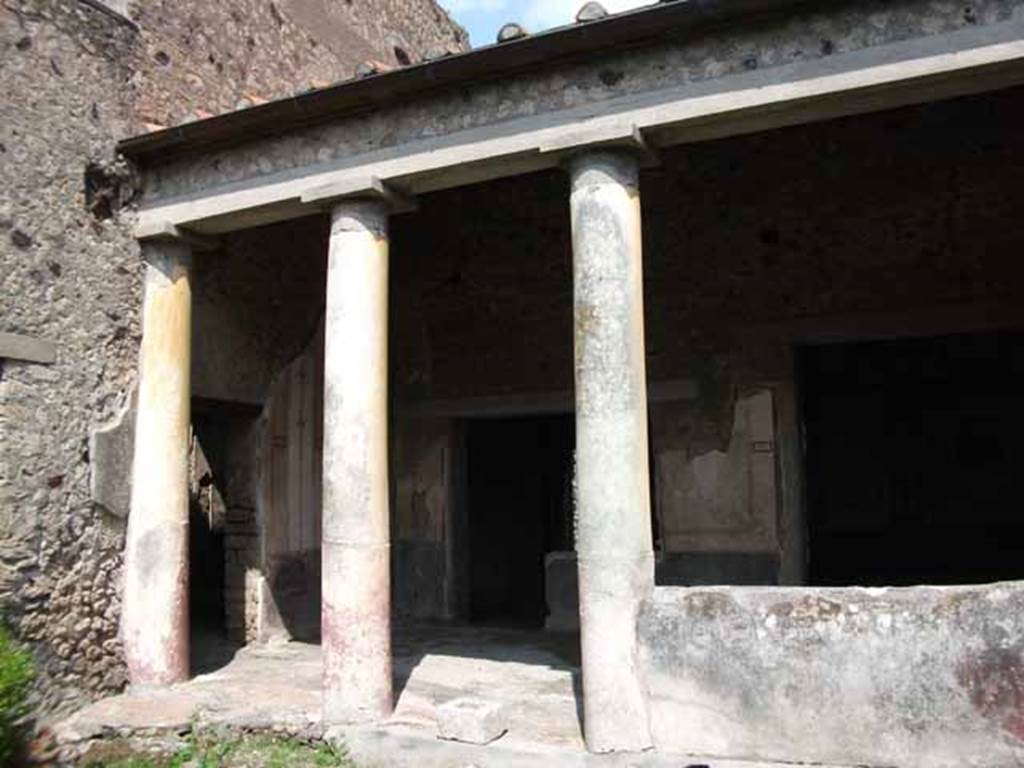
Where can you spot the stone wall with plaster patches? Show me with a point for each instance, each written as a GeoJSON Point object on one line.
{"type": "Point", "coordinates": [917, 676]}
{"type": "Point", "coordinates": [76, 80]}
{"type": "Point", "coordinates": [73, 277]}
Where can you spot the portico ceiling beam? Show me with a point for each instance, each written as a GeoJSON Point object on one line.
{"type": "Point", "coordinates": [945, 66]}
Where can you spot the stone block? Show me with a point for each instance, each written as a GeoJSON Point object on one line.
{"type": "Point", "coordinates": [110, 460]}
{"type": "Point", "coordinates": [27, 348]}
{"type": "Point", "coordinates": [913, 676]}
{"type": "Point", "coordinates": [474, 721]}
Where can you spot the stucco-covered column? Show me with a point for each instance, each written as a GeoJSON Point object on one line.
{"type": "Point", "coordinates": [613, 519]}
{"type": "Point", "coordinates": [155, 611]}
{"type": "Point", "coordinates": [356, 610]}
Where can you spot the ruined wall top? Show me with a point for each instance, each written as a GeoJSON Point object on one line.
{"type": "Point", "coordinates": [191, 59]}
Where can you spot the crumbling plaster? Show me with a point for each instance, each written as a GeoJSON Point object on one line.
{"type": "Point", "coordinates": [423, 519]}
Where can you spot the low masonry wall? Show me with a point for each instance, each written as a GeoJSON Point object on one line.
{"type": "Point", "coordinates": [920, 676]}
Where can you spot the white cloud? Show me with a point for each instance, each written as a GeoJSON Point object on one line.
{"type": "Point", "coordinates": [543, 14]}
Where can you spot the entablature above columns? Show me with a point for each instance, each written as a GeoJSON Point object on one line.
{"type": "Point", "coordinates": [913, 70]}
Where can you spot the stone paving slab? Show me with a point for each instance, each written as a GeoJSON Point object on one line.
{"type": "Point", "coordinates": [401, 747]}
{"type": "Point", "coordinates": [262, 687]}
{"type": "Point", "coordinates": [534, 677]}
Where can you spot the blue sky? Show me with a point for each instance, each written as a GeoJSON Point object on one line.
{"type": "Point", "coordinates": [483, 18]}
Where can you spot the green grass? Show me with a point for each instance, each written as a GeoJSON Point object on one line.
{"type": "Point", "coordinates": [220, 750]}
{"type": "Point", "coordinates": [15, 686]}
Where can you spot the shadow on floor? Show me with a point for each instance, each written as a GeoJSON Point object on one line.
{"type": "Point", "coordinates": [210, 650]}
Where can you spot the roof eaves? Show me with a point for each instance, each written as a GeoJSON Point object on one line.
{"type": "Point", "coordinates": [580, 40]}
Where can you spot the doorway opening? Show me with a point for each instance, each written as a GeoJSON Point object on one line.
{"type": "Point", "coordinates": [519, 505]}
{"type": "Point", "coordinates": [913, 453]}
{"type": "Point", "coordinates": [207, 615]}
{"type": "Point", "coordinates": [217, 429]}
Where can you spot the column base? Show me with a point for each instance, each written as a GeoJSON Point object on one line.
{"type": "Point", "coordinates": [356, 634]}
{"type": "Point", "coordinates": [614, 700]}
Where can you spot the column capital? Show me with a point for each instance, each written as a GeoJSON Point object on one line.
{"type": "Point", "coordinates": [359, 214]}
{"type": "Point", "coordinates": [598, 167]}
{"type": "Point", "coordinates": [167, 259]}
{"type": "Point", "coordinates": [369, 188]}
{"type": "Point", "coordinates": [166, 232]}
{"type": "Point", "coordinates": [627, 140]}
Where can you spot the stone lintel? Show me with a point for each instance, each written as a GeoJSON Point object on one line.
{"type": "Point", "coordinates": [165, 231]}
{"type": "Point", "coordinates": [367, 188]}
{"type": "Point", "coordinates": [531, 403]}
{"type": "Point", "coordinates": [111, 448]}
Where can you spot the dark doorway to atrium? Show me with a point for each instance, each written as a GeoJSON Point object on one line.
{"type": "Point", "coordinates": [914, 452]}
{"type": "Point", "coordinates": [519, 504]}
{"type": "Point", "coordinates": [213, 425]}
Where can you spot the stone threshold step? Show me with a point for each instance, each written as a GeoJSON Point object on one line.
{"type": "Point", "coordinates": [406, 747]}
